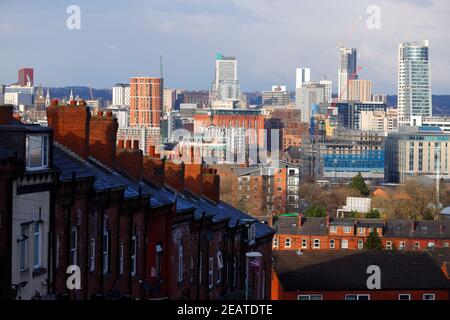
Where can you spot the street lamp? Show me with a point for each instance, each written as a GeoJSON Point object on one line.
{"type": "Point", "coordinates": [249, 255]}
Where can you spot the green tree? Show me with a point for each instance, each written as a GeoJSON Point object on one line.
{"type": "Point", "coordinates": [359, 184]}
{"type": "Point", "coordinates": [373, 241]}
{"type": "Point", "coordinates": [373, 214]}
{"type": "Point", "coordinates": [316, 211]}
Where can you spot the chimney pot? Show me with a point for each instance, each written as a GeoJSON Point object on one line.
{"type": "Point", "coordinates": [151, 151]}
{"type": "Point", "coordinates": [100, 113]}
{"type": "Point", "coordinates": [128, 144]}
{"type": "Point", "coordinates": [135, 144]}
{"type": "Point", "coordinates": [73, 103]}
{"type": "Point", "coordinates": [54, 102]}
{"type": "Point", "coordinates": [121, 144]}
{"type": "Point", "coordinates": [109, 113]}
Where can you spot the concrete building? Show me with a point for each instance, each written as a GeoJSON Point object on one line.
{"type": "Point", "coordinates": [380, 97]}
{"type": "Point", "coordinates": [328, 90]}
{"type": "Point", "coordinates": [348, 68]}
{"type": "Point", "coordinates": [226, 83]}
{"type": "Point", "coordinates": [360, 90]}
{"type": "Point", "coordinates": [121, 95]}
{"type": "Point", "coordinates": [302, 75]}
{"type": "Point", "coordinates": [169, 99]}
{"type": "Point", "coordinates": [278, 96]}
{"type": "Point", "coordinates": [349, 113]}
{"type": "Point", "coordinates": [308, 95]}
{"type": "Point", "coordinates": [434, 122]}
{"type": "Point", "coordinates": [414, 81]}
{"type": "Point", "coordinates": [417, 151]}
{"type": "Point", "coordinates": [378, 120]}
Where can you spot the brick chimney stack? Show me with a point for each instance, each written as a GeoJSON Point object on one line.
{"type": "Point", "coordinates": [102, 140]}
{"type": "Point", "coordinates": [211, 185]}
{"type": "Point", "coordinates": [6, 114]}
{"type": "Point", "coordinates": [193, 174]}
{"type": "Point", "coordinates": [130, 160]}
{"type": "Point", "coordinates": [154, 168]}
{"type": "Point", "coordinates": [174, 175]}
{"type": "Point", "coordinates": [70, 126]}
{"type": "Point", "coordinates": [300, 220]}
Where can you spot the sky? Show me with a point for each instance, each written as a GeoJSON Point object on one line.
{"type": "Point", "coordinates": [270, 38]}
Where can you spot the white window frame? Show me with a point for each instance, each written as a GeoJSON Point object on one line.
{"type": "Point", "coordinates": [388, 245]}
{"type": "Point", "coordinates": [316, 244]}
{"type": "Point", "coordinates": [304, 243]}
{"type": "Point", "coordinates": [180, 263]}
{"type": "Point", "coordinates": [402, 246]}
{"type": "Point", "coordinates": [433, 295]}
{"type": "Point", "coordinates": [431, 245]}
{"type": "Point", "coordinates": [134, 254]}
{"type": "Point", "coordinates": [44, 152]}
{"type": "Point", "coordinates": [121, 257]}
{"type": "Point", "coordinates": [275, 242]}
{"type": "Point", "coordinates": [357, 296]}
{"type": "Point", "coordinates": [309, 297]}
{"type": "Point", "coordinates": [287, 242]}
{"type": "Point", "coordinates": [347, 229]}
{"type": "Point", "coordinates": [417, 246]}
{"type": "Point", "coordinates": [92, 255]}
{"type": "Point", "coordinates": [211, 273]}
{"type": "Point", "coordinates": [74, 246]}
{"type": "Point", "coordinates": [360, 230]}
{"type": "Point", "coordinates": [332, 244]}
{"type": "Point", "coordinates": [37, 245]}
{"type": "Point", "coordinates": [219, 266]}
{"type": "Point", "coordinates": [342, 244]}
{"type": "Point", "coordinates": [252, 233]}
{"type": "Point", "coordinates": [106, 251]}
{"type": "Point", "coordinates": [333, 229]}
{"type": "Point", "coordinates": [360, 244]}
{"type": "Point", "coordinates": [408, 295]}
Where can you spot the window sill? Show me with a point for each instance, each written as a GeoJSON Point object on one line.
{"type": "Point", "coordinates": [39, 272]}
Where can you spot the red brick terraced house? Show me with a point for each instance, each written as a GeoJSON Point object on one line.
{"type": "Point", "coordinates": [302, 233]}
{"type": "Point", "coordinates": [138, 227]}
{"type": "Point", "coordinates": [342, 275]}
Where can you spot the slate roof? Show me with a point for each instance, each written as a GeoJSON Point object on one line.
{"type": "Point", "coordinates": [346, 270]}
{"type": "Point", "coordinates": [311, 226]}
{"type": "Point", "coordinates": [427, 229]}
{"type": "Point", "coordinates": [223, 211]}
{"type": "Point", "coordinates": [105, 179]}
{"type": "Point", "coordinates": [393, 228]}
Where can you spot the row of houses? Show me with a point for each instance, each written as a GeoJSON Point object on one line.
{"type": "Point", "coordinates": [312, 233]}
{"type": "Point", "coordinates": [132, 226]}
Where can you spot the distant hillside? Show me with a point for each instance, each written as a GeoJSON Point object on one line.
{"type": "Point", "coordinates": [441, 104]}
{"type": "Point", "coordinates": [82, 92]}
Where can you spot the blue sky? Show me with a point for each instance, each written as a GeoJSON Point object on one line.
{"type": "Point", "coordinates": [119, 39]}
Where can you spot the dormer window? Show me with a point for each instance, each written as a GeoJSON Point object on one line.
{"type": "Point", "coordinates": [36, 152]}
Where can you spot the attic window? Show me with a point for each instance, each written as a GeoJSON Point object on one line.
{"type": "Point", "coordinates": [36, 152]}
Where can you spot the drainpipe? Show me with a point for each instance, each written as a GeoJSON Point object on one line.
{"type": "Point", "coordinates": [198, 254]}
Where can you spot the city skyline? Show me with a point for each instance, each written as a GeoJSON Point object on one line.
{"type": "Point", "coordinates": [115, 56]}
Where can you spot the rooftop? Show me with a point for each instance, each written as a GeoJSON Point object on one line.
{"type": "Point", "coordinates": [346, 270]}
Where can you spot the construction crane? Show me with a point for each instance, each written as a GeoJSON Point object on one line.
{"type": "Point", "coordinates": [90, 92]}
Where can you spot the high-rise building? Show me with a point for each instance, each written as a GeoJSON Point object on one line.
{"type": "Point", "coordinates": [169, 100]}
{"type": "Point", "coordinates": [414, 82]}
{"type": "Point", "coordinates": [347, 70]}
{"type": "Point", "coordinates": [328, 90]}
{"type": "Point", "coordinates": [278, 96]}
{"type": "Point", "coordinates": [380, 97]}
{"type": "Point", "coordinates": [360, 90]}
{"type": "Point", "coordinates": [26, 77]}
{"type": "Point", "coordinates": [226, 83]}
{"type": "Point", "coordinates": [302, 75]}
{"type": "Point", "coordinates": [306, 97]}
{"type": "Point", "coordinates": [146, 97]}
{"type": "Point", "coordinates": [121, 95]}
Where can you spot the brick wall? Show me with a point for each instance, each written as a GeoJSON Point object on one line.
{"type": "Point", "coordinates": [102, 138]}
